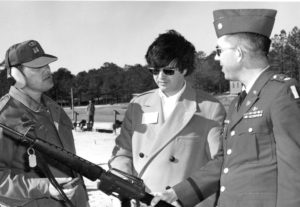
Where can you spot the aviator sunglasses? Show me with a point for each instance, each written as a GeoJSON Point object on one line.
{"type": "Point", "coordinates": [166, 70]}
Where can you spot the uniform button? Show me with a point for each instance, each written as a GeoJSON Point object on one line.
{"type": "Point", "coordinates": [222, 188]}
{"type": "Point", "coordinates": [226, 170]}
{"type": "Point", "coordinates": [141, 155]}
{"type": "Point", "coordinates": [250, 130]}
{"type": "Point", "coordinates": [229, 151]}
{"type": "Point", "coordinates": [232, 133]}
{"type": "Point", "coordinates": [172, 159]}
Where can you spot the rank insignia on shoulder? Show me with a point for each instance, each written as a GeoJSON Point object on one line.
{"type": "Point", "coordinates": [294, 91]}
{"type": "Point", "coordinates": [281, 77]}
{"type": "Point", "coordinates": [253, 114]}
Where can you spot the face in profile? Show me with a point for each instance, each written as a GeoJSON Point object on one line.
{"type": "Point", "coordinates": [228, 57]}
{"type": "Point", "coordinates": [38, 79]}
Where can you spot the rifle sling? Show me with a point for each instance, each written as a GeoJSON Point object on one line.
{"type": "Point", "coordinates": [47, 172]}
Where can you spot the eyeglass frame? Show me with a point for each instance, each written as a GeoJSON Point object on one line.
{"type": "Point", "coordinates": [166, 70]}
{"type": "Point", "coordinates": [220, 50]}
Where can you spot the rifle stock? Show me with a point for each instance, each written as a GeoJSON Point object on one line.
{"type": "Point", "coordinates": [110, 183]}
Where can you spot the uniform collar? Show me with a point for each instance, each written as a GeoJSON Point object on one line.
{"type": "Point", "coordinates": [263, 78]}
{"type": "Point", "coordinates": [27, 100]}
{"type": "Point", "coordinates": [253, 80]}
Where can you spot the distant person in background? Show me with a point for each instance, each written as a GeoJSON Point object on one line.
{"type": "Point", "coordinates": [23, 172]}
{"type": "Point", "coordinates": [170, 132]}
{"type": "Point", "coordinates": [90, 113]}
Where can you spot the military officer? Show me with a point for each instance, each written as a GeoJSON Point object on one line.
{"type": "Point", "coordinates": [258, 163]}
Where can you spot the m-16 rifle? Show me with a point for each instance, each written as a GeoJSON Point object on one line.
{"type": "Point", "coordinates": [110, 183]}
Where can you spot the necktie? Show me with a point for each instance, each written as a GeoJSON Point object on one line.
{"type": "Point", "coordinates": [242, 96]}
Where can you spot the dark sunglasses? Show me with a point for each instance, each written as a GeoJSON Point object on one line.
{"type": "Point", "coordinates": [166, 70]}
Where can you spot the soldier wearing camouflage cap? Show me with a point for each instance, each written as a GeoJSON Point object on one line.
{"type": "Point", "coordinates": [26, 109]}
{"type": "Point", "coordinates": [258, 163]}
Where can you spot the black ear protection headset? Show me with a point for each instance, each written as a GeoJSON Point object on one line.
{"type": "Point", "coordinates": [15, 73]}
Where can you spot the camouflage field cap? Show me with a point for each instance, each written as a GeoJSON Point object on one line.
{"type": "Point", "coordinates": [229, 21]}
{"type": "Point", "coordinates": [28, 53]}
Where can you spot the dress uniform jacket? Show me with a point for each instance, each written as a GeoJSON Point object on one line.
{"type": "Point", "coordinates": [165, 152]}
{"type": "Point", "coordinates": [258, 162]}
{"type": "Point", "coordinates": [19, 184]}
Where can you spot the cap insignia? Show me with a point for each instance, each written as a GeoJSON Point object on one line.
{"type": "Point", "coordinates": [35, 50]}
{"type": "Point", "coordinates": [220, 26]}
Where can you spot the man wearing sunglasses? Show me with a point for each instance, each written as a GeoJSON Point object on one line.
{"type": "Point", "coordinates": [258, 163]}
{"type": "Point", "coordinates": [170, 132]}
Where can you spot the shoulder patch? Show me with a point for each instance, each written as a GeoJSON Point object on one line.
{"type": "Point", "coordinates": [280, 77]}
{"type": "Point", "coordinates": [4, 100]}
{"type": "Point", "coordinates": [294, 91]}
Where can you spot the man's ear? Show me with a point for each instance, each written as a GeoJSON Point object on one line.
{"type": "Point", "coordinates": [239, 54]}
{"type": "Point", "coordinates": [18, 76]}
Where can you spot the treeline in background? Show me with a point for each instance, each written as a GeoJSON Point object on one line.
{"type": "Point", "coordinates": [111, 83]}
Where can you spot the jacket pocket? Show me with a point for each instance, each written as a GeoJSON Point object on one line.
{"type": "Point", "coordinates": [257, 200]}
{"type": "Point", "coordinates": [254, 147]}
{"type": "Point", "coordinates": [246, 148]}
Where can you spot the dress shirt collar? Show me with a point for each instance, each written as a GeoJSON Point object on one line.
{"type": "Point", "coordinates": [175, 97]}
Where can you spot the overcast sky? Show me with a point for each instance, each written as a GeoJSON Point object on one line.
{"type": "Point", "coordinates": [84, 35]}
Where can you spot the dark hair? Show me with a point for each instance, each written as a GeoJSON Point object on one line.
{"type": "Point", "coordinates": [256, 42]}
{"type": "Point", "coordinates": [172, 46]}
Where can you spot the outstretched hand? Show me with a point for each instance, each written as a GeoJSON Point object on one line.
{"type": "Point", "coordinates": [168, 196]}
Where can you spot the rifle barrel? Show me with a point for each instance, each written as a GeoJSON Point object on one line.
{"type": "Point", "coordinates": [112, 183]}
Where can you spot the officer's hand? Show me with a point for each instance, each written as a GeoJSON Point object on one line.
{"type": "Point", "coordinates": [70, 191]}
{"type": "Point", "coordinates": [140, 204]}
{"type": "Point", "coordinates": [168, 196]}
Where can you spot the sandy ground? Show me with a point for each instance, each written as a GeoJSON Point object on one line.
{"type": "Point", "coordinates": [96, 147]}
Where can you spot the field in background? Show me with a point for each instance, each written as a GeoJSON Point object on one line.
{"type": "Point", "coordinates": [105, 113]}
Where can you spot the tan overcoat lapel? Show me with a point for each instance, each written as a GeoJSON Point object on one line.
{"type": "Point", "coordinates": [168, 130]}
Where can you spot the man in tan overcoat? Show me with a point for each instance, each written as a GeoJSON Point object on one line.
{"type": "Point", "coordinates": [170, 132]}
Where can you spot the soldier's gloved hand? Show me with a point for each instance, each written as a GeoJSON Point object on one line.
{"type": "Point", "coordinates": [70, 191]}
{"type": "Point", "coordinates": [168, 196]}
